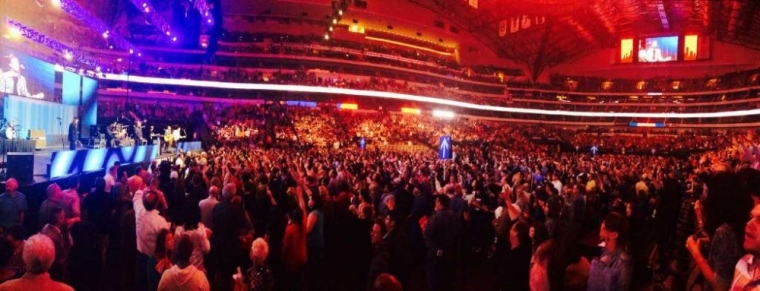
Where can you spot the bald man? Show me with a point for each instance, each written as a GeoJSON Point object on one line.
{"type": "Point", "coordinates": [12, 205]}
{"type": "Point", "coordinates": [207, 206]}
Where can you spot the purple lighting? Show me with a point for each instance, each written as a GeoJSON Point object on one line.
{"type": "Point", "coordinates": [51, 43]}
{"type": "Point", "coordinates": [72, 8]}
{"type": "Point", "coordinates": [153, 18]}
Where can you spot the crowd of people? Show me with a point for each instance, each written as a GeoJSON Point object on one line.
{"type": "Point", "coordinates": [306, 215]}
{"type": "Point", "coordinates": [520, 99]}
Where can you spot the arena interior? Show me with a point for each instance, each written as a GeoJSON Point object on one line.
{"type": "Point", "coordinates": [379, 145]}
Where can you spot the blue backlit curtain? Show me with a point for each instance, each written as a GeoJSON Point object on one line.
{"type": "Point", "coordinates": [38, 114]}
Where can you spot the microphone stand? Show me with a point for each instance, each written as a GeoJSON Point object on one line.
{"type": "Point", "coordinates": [60, 126]}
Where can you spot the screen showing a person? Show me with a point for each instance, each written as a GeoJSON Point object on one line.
{"type": "Point", "coordinates": [658, 49]}
{"type": "Point", "coordinates": [25, 76]}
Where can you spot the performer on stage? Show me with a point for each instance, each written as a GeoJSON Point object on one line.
{"type": "Point", "coordinates": [139, 131]}
{"type": "Point", "coordinates": [177, 135]}
{"type": "Point", "coordinates": [73, 133]}
{"type": "Point", "coordinates": [13, 82]}
{"type": "Point", "coordinates": [168, 137]}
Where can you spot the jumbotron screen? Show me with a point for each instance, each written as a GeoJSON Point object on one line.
{"type": "Point", "coordinates": [658, 49]}
{"type": "Point", "coordinates": [25, 76]}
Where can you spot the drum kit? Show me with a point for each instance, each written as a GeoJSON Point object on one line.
{"type": "Point", "coordinates": [119, 136]}
{"type": "Point", "coordinates": [9, 129]}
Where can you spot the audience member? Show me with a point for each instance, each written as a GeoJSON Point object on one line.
{"type": "Point", "coordinates": [39, 254]}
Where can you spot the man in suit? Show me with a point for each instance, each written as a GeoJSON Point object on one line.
{"type": "Point", "coordinates": [73, 133]}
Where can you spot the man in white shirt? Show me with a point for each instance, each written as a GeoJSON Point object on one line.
{"type": "Point", "coordinates": [147, 220]}
{"type": "Point", "coordinates": [110, 178]}
{"type": "Point", "coordinates": [207, 206]}
{"type": "Point", "coordinates": [148, 223]}
{"type": "Point", "coordinates": [557, 183]}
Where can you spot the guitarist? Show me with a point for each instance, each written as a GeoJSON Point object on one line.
{"type": "Point", "coordinates": [177, 135]}
{"type": "Point", "coordinates": [168, 137]}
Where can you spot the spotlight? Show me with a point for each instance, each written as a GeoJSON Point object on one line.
{"type": "Point", "coordinates": [68, 56]}
{"type": "Point", "coordinates": [209, 21]}
{"type": "Point", "coordinates": [110, 47]}
{"type": "Point", "coordinates": [174, 39]}
{"type": "Point", "coordinates": [131, 51]}
{"type": "Point", "coordinates": [105, 35]}
{"type": "Point", "coordinates": [56, 3]}
{"type": "Point", "coordinates": [119, 60]}
{"type": "Point", "coordinates": [327, 36]}
{"type": "Point", "coordinates": [139, 54]}
{"type": "Point", "coordinates": [147, 10]}
{"type": "Point", "coordinates": [145, 5]}
{"type": "Point", "coordinates": [335, 21]}
{"type": "Point", "coordinates": [340, 11]}
{"type": "Point", "coordinates": [168, 33]}
{"type": "Point", "coordinates": [331, 28]}
{"type": "Point", "coordinates": [14, 31]}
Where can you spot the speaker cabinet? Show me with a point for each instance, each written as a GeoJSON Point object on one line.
{"type": "Point", "coordinates": [38, 136]}
{"type": "Point", "coordinates": [21, 167]}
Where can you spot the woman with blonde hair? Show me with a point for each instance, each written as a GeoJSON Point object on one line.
{"type": "Point", "coordinates": [259, 276]}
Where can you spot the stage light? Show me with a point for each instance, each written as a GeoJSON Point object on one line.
{"type": "Point", "coordinates": [139, 54]}
{"type": "Point", "coordinates": [426, 99]}
{"type": "Point", "coordinates": [145, 5]}
{"type": "Point", "coordinates": [56, 3]}
{"type": "Point", "coordinates": [348, 106]}
{"type": "Point", "coordinates": [331, 28]}
{"type": "Point", "coordinates": [119, 60]}
{"type": "Point", "coordinates": [407, 110]}
{"type": "Point", "coordinates": [174, 39]}
{"type": "Point", "coordinates": [68, 56]}
{"type": "Point", "coordinates": [209, 21]}
{"type": "Point", "coordinates": [105, 35]}
{"type": "Point", "coordinates": [14, 32]}
{"type": "Point", "coordinates": [168, 33]}
{"type": "Point", "coordinates": [340, 11]}
{"type": "Point", "coordinates": [131, 51]}
{"type": "Point", "coordinates": [147, 10]}
{"type": "Point", "coordinates": [335, 21]}
{"type": "Point", "coordinates": [443, 114]}
{"type": "Point", "coordinates": [327, 36]}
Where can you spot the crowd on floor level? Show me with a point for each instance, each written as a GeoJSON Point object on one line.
{"type": "Point", "coordinates": [507, 213]}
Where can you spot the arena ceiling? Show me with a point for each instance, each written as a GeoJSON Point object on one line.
{"type": "Point", "coordinates": [544, 33]}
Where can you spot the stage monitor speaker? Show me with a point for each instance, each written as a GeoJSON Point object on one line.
{"type": "Point", "coordinates": [38, 136]}
{"type": "Point", "coordinates": [21, 167]}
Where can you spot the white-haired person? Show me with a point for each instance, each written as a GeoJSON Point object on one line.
{"type": "Point", "coordinates": [259, 276]}
{"type": "Point", "coordinates": [38, 256]}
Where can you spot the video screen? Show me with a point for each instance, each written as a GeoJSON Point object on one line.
{"type": "Point", "coordinates": [25, 76]}
{"type": "Point", "coordinates": [658, 49]}
{"type": "Point", "coordinates": [696, 47]}
{"type": "Point", "coordinates": [626, 50]}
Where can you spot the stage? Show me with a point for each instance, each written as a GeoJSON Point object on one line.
{"type": "Point", "coordinates": [56, 163]}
